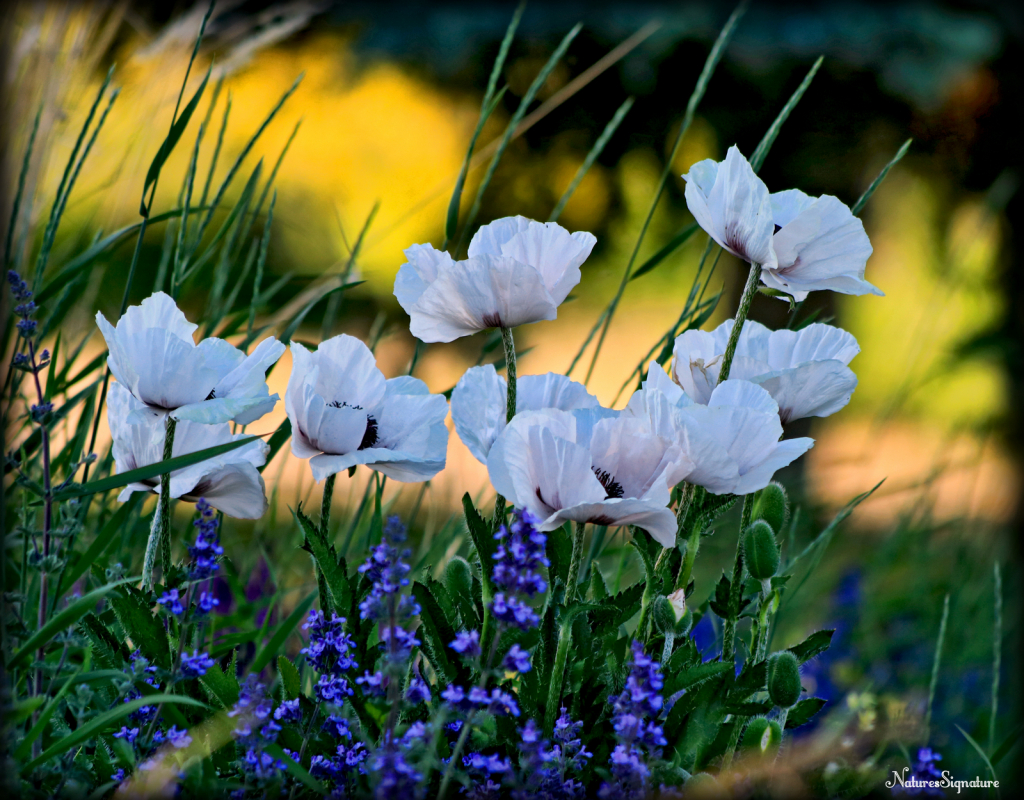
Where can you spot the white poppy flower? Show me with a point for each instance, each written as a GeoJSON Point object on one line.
{"type": "Point", "coordinates": [805, 371]}
{"type": "Point", "coordinates": [733, 205]}
{"type": "Point", "coordinates": [229, 482]}
{"type": "Point", "coordinates": [744, 419]}
{"type": "Point", "coordinates": [518, 271]}
{"type": "Point", "coordinates": [343, 413]}
{"type": "Point", "coordinates": [153, 355]}
{"type": "Point", "coordinates": [819, 244]}
{"type": "Point", "coordinates": [614, 472]}
{"type": "Point", "coordinates": [480, 397]}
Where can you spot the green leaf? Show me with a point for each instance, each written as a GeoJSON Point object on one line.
{"type": "Point", "coordinates": [276, 441]}
{"type": "Point", "coordinates": [95, 726]}
{"type": "Point", "coordinates": [135, 613]}
{"type": "Point", "coordinates": [803, 712]}
{"type": "Point", "coordinates": [293, 324]}
{"type": "Point", "coordinates": [818, 642]}
{"type": "Point", "coordinates": [325, 557]}
{"type": "Point", "coordinates": [559, 553]}
{"type": "Point", "coordinates": [221, 686]}
{"type": "Point", "coordinates": [720, 602]}
{"type": "Point", "coordinates": [290, 679]}
{"type": "Point", "coordinates": [143, 474]}
{"type": "Point", "coordinates": [281, 634]}
{"type": "Point", "coordinates": [673, 244]}
{"type": "Point", "coordinates": [436, 633]}
{"type": "Point", "coordinates": [106, 648]}
{"type": "Point", "coordinates": [1007, 744]}
{"type": "Point", "coordinates": [295, 768]}
{"type": "Point", "coordinates": [177, 129]}
{"type": "Point", "coordinates": [696, 675]}
{"type": "Point", "coordinates": [978, 749]}
{"type": "Point", "coordinates": [64, 619]}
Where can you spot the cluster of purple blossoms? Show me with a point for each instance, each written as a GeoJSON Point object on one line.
{"type": "Point", "coordinates": [328, 652]}
{"type": "Point", "coordinates": [923, 770]}
{"type": "Point", "coordinates": [639, 737]}
{"type": "Point", "coordinates": [543, 770]}
{"type": "Point", "coordinates": [257, 725]}
{"type": "Point", "coordinates": [486, 774]}
{"type": "Point", "coordinates": [195, 665]}
{"type": "Point", "coordinates": [340, 770]}
{"type": "Point", "coordinates": [26, 306]}
{"type": "Point", "coordinates": [207, 547]}
{"type": "Point", "coordinates": [516, 576]}
{"type": "Point", "coordinates": [389, 606]}
{"type": "Point", "coordinates": [494, 702]}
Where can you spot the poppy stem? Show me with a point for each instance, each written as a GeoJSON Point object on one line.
{"type": "Point", "coordinates": [160, 531]}
{"type": "Point", "coordinates": [746, 300]}
{"type": "Point", "coordinates": [325, 504]}
{"type": "Point", "coordinates": [574, 565]}
{"type": "Point", "coordinates": [736, 586]}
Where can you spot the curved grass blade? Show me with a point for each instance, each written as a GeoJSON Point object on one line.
{"type": "Point", "coordinates": [20, 191]}
{"type": "Point", "coordinates": [153, 470]}
{"type": "Point", "coordinates": [978, 750]}
{"type": "Point", "coordinates": [97, 725]}
{"type": "Point", "coordinates": [710, 64]}
{"type": "Point", "coordinates": [520, 112]}
{"type": "Point", "coordinates": [592, 156]}
{"type": "Point", "coordinates": [673, 244]}
{"type": "Point", "coordinates": [859, 205]}
{"type": "Point", "coordinates": [104, 538]}
{"type": "Point", "coordinates": [261, 262]}
{"type": "Point", "coordinates": [997, 652]}
{"type": "Point", "coordinates": [761, 152]}
{"type": "Point", "coordinates": [284, 630]}
{"type": "Point", "coordinates": [934, 682]}
{"type": "Point", "coordinates": [295, 768]}
{"type": "Point", "coordinates": [63, 619]}
{"type": "Point", "coordinates": [293, 325]}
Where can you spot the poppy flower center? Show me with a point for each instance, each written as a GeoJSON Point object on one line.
{"type": "Point", "coordinates": [370, 434]}
{"type": "Point", "coordinates": [612, 487]}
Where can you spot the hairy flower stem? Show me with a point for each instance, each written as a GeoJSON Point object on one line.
{"type": "Point", "coordinates": [746, 299]}
{"type": "Point", "coordinates": [564, 632]}
{"type": "Point", "coordinates": [160, 532]}
{"type": "Point", "coordinates": [736, 586]}
{"type": "Point", "coordinates": [305, 743]}
{"type": "Point", "coordinates": [325, 504]}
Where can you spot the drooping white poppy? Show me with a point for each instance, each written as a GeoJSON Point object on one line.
{"type": "Point", "coordinates": [819, 244]}
{"type": "Point", "coordinates": [733, 205]}
{"type": "Point", "coordinates": [479, 403]}
{"type": "Point", "coordinates": [518, 271]}
{"type": "Point", "coordinates": [613, 472]}
{"type": "Point", "coordinates": [805, 371]}
{"type": "Point", "coordinates": [153, 355]}
{"type": "Point", "coordinates": [343, 413]}
{"type": "Point", "coordinates": [229, 482]}
{"type": "Point", "coordinates": [744, 419]}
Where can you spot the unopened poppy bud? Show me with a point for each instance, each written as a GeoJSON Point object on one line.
{"type": "Point", "coordinates": [772, 506]}
{"type": "Point", "coordinates": [760, 551]}
{"type": "Point", "coordinates": [458, 577]}
{"type": "Point", "coordinates": [784, 679]}
{"type": "Point", "coordinates": [762, 736]}
{"type": "Point", "coordinates": [683, 615]}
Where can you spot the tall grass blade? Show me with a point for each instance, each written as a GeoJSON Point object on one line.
{"type": "Point", "coordinates": [997, 652]}
{"type": "Point", "coordinates": [67, 183]}
{"type": "Point", "coordinates": [859, 205]}
{"type": "Point", "coordinates": [270, 180]}
{"type": "Point", "coordinates": [281, 634]}
{"type": "Point", "coordinates": [673, 244]}
{"type": "Point", "coordinates": [261, 263]}
{"type": "Point", "coordinates": [936, 663]}
{"type": "Point", "coordinates": [978, 749]}
{"type": "Point", "coordinates": [520, 112]}
{"type": "Point", "coordinates": [710, 64]}
{"type": "Point", "coordinates": [761, 152]}
{"type": "Point", "coordinates": [20, 191]}
{"type": "Point", "coordinates": [25, 747]}
{"type": "Point", "coordinates": [217, 147]}
{"type": "Point", "coordinates": [490, 102]}
{"type": "Point", "coordinates": [592, 156]}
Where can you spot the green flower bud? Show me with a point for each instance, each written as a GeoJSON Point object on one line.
{"type": "Point", "coordinates": [762, 736]}
{"type": "Point", "coordinates": [784, 679]}
{"type": "Point", "coordinates": [771, 505]}
{"type": "Point", "coordinates": [683, 615]}
{"type": "Point", "coordinates": [760, 552]}
{"type": "Point", "coordinates": [458, 577]}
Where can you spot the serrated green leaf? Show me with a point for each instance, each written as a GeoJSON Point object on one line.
{"type": "Point", "coordinates": [435, 633]}
{"type": "Point", "coordinates": [695, 675]}
{"type": "Point", "coordinates": [25, 746]}
{"type": "Point", "coordinates": [326, 560]}
{"type": "Point", "coordinates": [135, 613]}
{"type": "Point", "coordinates": [221, 686]}
{"type": "Point", "coordinates": [290, 679]}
